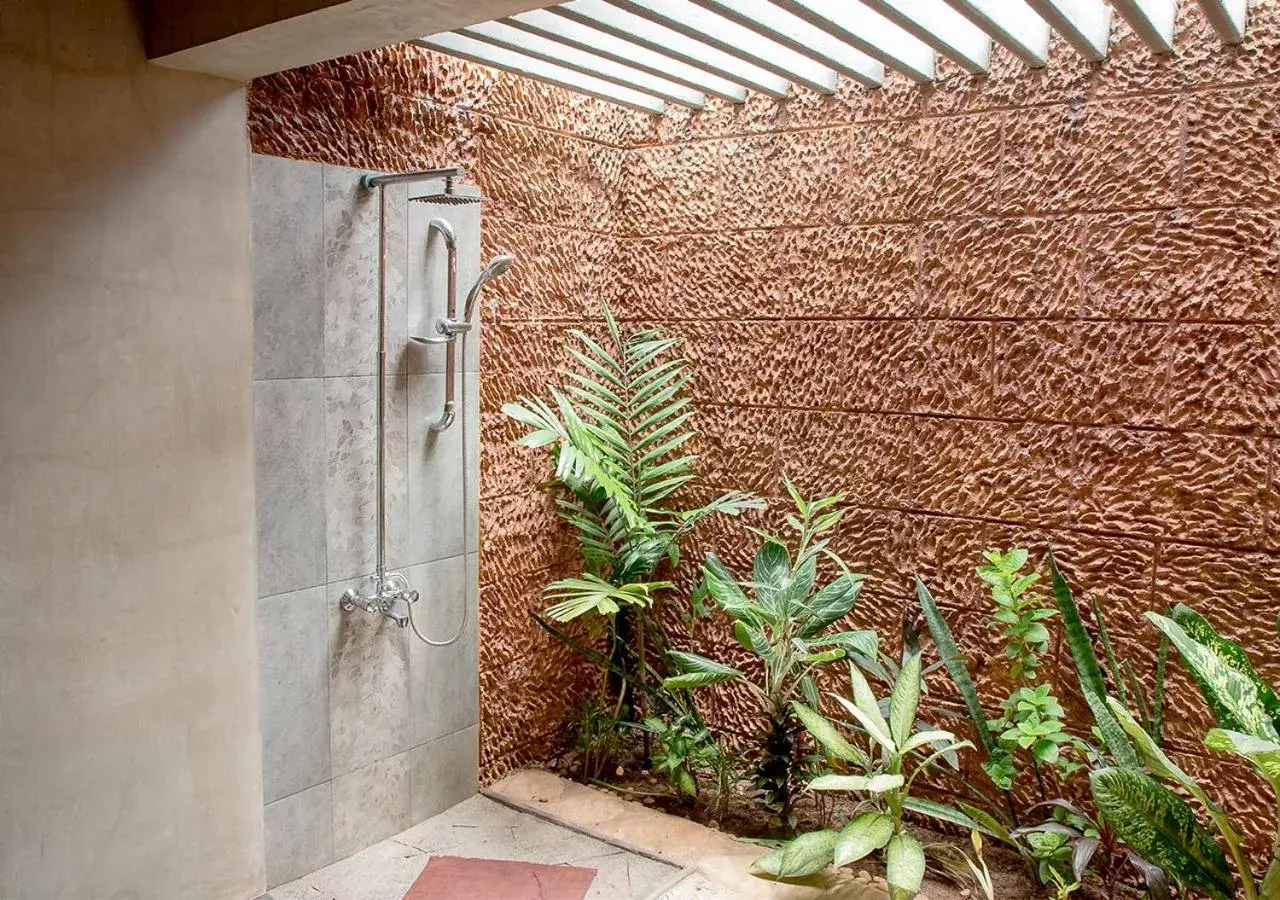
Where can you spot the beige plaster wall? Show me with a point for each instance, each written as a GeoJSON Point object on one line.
{"type": "Point", "coordinates": [129, 749]}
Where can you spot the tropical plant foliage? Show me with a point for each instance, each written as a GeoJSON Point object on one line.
{"type": "Point", "coordinates": [783, 618]}
{"type": "Point", "coordinates": [879, 764]}
{"type": "Point", "coordinates": [619, 432]}
{"type": "Point", "coordinates": [1248, 720]}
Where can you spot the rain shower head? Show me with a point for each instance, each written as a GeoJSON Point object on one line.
{"type": "Point", "coordinates": [447, 197]}
{"type": "Point", "coordinates": [498, 266]}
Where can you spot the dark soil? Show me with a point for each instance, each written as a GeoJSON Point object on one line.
{"type": "Point", "coordinates": [740, 815]}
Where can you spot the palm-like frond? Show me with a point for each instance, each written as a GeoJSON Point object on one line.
{"type": "Point", "coordinates": [590, 593]}
{"type": "Point", "coordinates": [619, 431]}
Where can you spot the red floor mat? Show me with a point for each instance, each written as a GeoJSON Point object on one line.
{"type": "Point", "coordinates": [459, 878]}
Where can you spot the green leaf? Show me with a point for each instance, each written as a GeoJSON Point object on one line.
{"type": "Point", "coordinates": [590, 593]}
{"type": "Point", "coordinates": [832, 603]}
{"type": "Point", "coordinates": [866, 710]}
{"type": "Point", "coordinates": [697, 671]}
{"type": "Point", "coordinates": [904, 866]}
{"type": "Point", "coordinates": [1230, 654]}
{"type": "Point", "coordinates": [1265, 755]}
{"type": "Point", "coordinates": [1161, 827]}
{"type": "Point", "coordinates": [725, 591]}
{"type": "Point", "coordinates": [1089, 671]}
{"type": "Point", "coordinates": [864, 834]}
{"type": "Point", "coordinates": [864, 644]}
{"type": "Point", "coordinates": [870, 784]}
{"type": "Point", "coordinates": [806, 855]}
{"type": "Point", "coordinates": [828, 736]}
{"type": "Point", "coordinates": [771, 574]}
{"type": "Point", "coordinates": [1232, 694]}
{"type": "Point", "coordinates": [944, 813]}
{"type": "Point", "coordinates": [959, 672]}
{"type": "Point", "coordinates": [751, 638]}
{"type": "Point", "coordinates": [905, 700]}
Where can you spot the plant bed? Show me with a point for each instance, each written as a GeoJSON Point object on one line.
{"type": "Point", "coordinates": [741, 816]}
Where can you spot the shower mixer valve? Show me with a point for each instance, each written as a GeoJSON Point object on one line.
{"type": "Point", "coordinates": [380, 594]}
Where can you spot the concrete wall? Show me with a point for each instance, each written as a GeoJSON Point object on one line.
{"type": "Point", "coordinates": [1039, 307]}
{"type": "Point", "coordinates": [551, 169]}
{"type": "Point", "coordinates": [129, 760]}
{"type": "Point", "coordinates": [365, 730]}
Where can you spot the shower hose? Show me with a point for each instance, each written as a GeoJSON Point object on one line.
{"type": "Point", "coordinates": [466, 562]}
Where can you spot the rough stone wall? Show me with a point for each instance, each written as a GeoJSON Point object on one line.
{"type": "Point", "coordinates": [1040, 307]}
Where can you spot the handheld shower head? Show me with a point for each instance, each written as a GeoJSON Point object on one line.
{"type": "Point", "coordinates": [497, 266]}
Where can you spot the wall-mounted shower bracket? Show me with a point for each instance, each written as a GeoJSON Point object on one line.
{"type": "Point", "coordinates": [380, 593]}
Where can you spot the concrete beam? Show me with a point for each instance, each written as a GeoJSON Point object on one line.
{"type": "Point", "coordinates": [244, 39]}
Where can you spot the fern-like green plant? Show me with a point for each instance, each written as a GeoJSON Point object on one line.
{"type": "Point", "coordinates": [618, 430]}
{"type": "Point", "coordinates": [783, 618]}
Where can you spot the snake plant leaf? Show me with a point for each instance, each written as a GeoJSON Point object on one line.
{"type": "Point", "coordinates": [806, 855]}
{"type": "Point", "coordinates": [1089, 670]}
{"type": "Point", "coordinates": [832, 603]}
{"type": "Point", "coordinates": [1265, 755]}
{"type": "Point", "coordinates": [1161, 827]}
{"type": "Point", "coordinates": [904, 866]}
{"type": "Point", "coordinates": [1231, 694]}
{"type": "Point", "coordinates": [771, 575]}
{"type": "Point", "coordinates": [869, 784]}
{"type": "Point", "coordinates": [1230, 654]}
{"type": "Point", "coordinates": [864, 834]}
{"type": "Point", "coordinates": [697, 671]}
{"type": "Point", "coordinates": [954, 663]}
{"type": "Point", "coordinates": [1155, 760]}
{"type": "Point", "coordinates": [944, 813]}
{"type": "Point", "coordinates": [828, 736]}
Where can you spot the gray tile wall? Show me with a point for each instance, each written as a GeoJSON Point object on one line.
{"type": "Point", "coordinates": [365, 730]}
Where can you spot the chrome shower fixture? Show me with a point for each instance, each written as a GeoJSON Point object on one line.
{"type": "Point", "coordinates": [447, 196]}
{"type": "Point", "coordinates": [498, 266]}
{"type": "Point", "coordinates": [379, 593]}
{"type": "Point", "coordinates": [450, 325]}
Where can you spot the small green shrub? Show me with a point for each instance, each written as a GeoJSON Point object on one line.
{"type": "Point", "coordinates": [882, 774]}
{"type": "Point", "coordinates": [783, 618]}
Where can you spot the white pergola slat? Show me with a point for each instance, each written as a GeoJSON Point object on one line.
{"type": "Point", "coordinates": [1227, 18]}
{"type": "Point", "coordinates": [547, 50]}
{"type": "Point", "coordinates": [610, 19]}
{"type": "Point", "coordinates": [942, 28]}
{"type": "Point", "coordinates": [546, 24]}
{"type": "Point", "coordinates": [471, 49]}
{"type": "Point", "coordinates": [852, 22]}
{"type": "Point", "coordinates": [775, 24]}
{"type": "Point", "coordinates": [1011, 23]}
{"type": "Point", "coordinates": [1151, 20]}
{"type": "Point", "coordinates": [730, 37]}
{"type": "Point", "coordinates": [647, 54]}
{"type": "Point", "coordinates": [1084, 24]}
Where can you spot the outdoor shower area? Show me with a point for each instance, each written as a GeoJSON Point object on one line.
{"type": "Point", "coordinates": [1028, 300]}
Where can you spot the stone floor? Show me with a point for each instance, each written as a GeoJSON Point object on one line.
{"type": "Point", "coordinates": [481, 827]}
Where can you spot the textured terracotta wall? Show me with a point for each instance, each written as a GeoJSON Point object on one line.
{"type": "Point", "coordinates": [1038, 307]}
